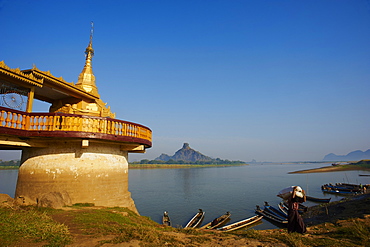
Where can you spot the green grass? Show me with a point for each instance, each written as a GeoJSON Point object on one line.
{"type": "Point", "coordinates": [363, 163]}
{"type": "Point", "coordinates": [357, 233]}
{"type": "Point", "coordinates": [125, 225]}
{"type": "Point", "coordinates": [33, 225]}
{"type": "Point", "coordinates": [80, 205]}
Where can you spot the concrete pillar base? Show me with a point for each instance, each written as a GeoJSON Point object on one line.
{"type": "Point", "coordinates": [95, 174]}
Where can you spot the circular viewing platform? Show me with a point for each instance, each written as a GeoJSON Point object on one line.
{"type": "Point", "coordinates": [32, 126]}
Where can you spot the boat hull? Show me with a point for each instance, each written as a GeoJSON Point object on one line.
{"type": "Point", "coordinates": [196, 220]}
{"type": "Point", "coordinates": [240, 224]}
{"type": "Point", "coordinates": [270, 216]}
{"type": "Point", "coordinates": [217, 222]}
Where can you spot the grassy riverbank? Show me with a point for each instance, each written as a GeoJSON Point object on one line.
{"type": "Point", "coordinates": [98, 226]}
{"type": "Point", "coordinates": [362, 165]}
{"type": "Point", "coordinates": [9, 167]}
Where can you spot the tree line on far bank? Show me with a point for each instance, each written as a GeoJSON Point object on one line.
{"type": "Point", "coordinates": [16, 163]}
{"type": "Point", "coordinates": [182, 162]}
{"type": "Point", "coordinates": [10, 163]}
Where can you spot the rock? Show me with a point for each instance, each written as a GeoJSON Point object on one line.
{"type": "Point", "coordinates": [55, 200]}
{"type": "Point", "coordinates": [6, 200]}
{"type": "Point", "coordinates": [24, 201]}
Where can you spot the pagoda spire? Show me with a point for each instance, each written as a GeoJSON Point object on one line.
{"type": "Point", "coordinates": [86, 79]}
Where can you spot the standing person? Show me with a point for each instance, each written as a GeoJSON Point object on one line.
{"type": "Point", "coordinates": [295, 221]}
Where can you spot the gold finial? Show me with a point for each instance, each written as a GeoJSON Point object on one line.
{"type": "Point", "coordinates": [91, 31]}
{"type": "Point", "coordinates": [89, 50]}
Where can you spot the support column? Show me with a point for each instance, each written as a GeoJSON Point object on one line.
{"type": "Point", "coordinates": [97, 173]}
{"type": "Point", "coordinates": [31, 94]}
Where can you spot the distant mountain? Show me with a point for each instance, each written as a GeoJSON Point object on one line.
{"type": "Point", "coordinates": [352, 156]}
{"type": "Point", "coordinates": [187, 154]}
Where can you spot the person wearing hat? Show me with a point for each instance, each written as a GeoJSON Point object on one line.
{"type": "Point", "coordinates": [295, 221]}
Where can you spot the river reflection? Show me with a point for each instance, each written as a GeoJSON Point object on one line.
{"type": "Point", "coordinates": [216, 190]}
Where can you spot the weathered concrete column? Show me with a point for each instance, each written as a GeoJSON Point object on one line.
{"type": "Point", "coordinates": [96, 173]}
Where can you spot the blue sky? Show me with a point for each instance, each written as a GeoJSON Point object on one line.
{"type": "Point", "coordinates": [270, 80]}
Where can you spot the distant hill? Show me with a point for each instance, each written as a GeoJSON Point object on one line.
{"type": "Point", "coordinates": [352, 156]}
{"type": "Point", "coordinates": [186, 153]}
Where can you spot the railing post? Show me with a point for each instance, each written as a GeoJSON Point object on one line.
{"type": "Point", "coordinates": [73, 123]}
{"type": "Point", "coordinates": [18, 123]}
{"type": "Point", "coordinates": [27, 123]}
{"type": "Point", "coordinates": [2, 118]}
{"type": "Point", "coordinates": [7, 120]}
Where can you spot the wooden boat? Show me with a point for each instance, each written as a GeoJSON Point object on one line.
{"type": "Point", "coordinates": [333, 189]}
{"type": "Point", "coordinates": [344, 188]}
{"type": "Point", "coordinates": [302, 208]}
{"type": "Point", "coordinates": [196, 220]}
{"type": "Point", "coordinates": [283, 208]}
{"type": "Point", "coordinates": [315, 199]}
{"type": "Point", "coordinates": [341, 192]}
{"type": "Point", "coordinates": [217, 221]}
{"type": "Point", "coordinates": [275, 211]}
{"type": "Point", "coordinates": [241, 224]}
{"type": "Point", "coordinates": [166, 219]}
{"type": "Point", "coordinates": [270, 216]}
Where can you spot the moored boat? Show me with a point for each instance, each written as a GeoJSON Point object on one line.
{"type": "Point", "coordinates": [217, 221]}
{"type": "Point", "coordinates": [240, 224]}
{"type": "Point", "coordinates": [276, 211]}
{"type": "Point", "coordinates": [302, 208]}
{"type": "Point", "coordinates": [166, 219]}
{"type": "Point", "coordinates": [315, 199]}
{"type": "Point", "coordinates": [270, 216]}
{"type": "Point", "coordinates": [196, 220]}
{"type": "Point", "coordinates": [343, 188]}
{"type": "Point", "coordinates": [283, 208]}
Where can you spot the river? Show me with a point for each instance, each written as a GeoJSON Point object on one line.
{"type": "Point", "coordinates": [216, 190]}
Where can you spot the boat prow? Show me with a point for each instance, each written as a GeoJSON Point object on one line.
{"type": "Point", "coordinates": [217, 221]}
{"type": "Point", "coordinates": [196, 220]}
{"type": "Point", "coordinates": [166, 219]}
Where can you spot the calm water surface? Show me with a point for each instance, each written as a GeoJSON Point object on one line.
{"type": "Point", "coordinates": [216, 190]}
{"type": "Point", "coordinates": [239, 189]}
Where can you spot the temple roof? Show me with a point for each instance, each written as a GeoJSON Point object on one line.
{"type": "Point", "coordinates": [54, 88]}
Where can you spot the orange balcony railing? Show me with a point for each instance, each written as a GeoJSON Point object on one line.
{"type": "Point", "coordinates": [71, 125]}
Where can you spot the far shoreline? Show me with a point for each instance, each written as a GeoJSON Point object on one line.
{"type": "Point", "coordinates": [338, 168]}
{"type": "Point", "coordinates": [169, 166]}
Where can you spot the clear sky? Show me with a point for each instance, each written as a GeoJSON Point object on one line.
{"type": "Point", "coordinates": [271, 80]}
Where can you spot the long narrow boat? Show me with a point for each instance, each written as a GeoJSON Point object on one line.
{"type": "Point", "coordinates": [270, 216]}
{"type": "Point", "coordinates": [275, 211]}
{"type": "Point", "coordinates": [344, 188]}
{"type": "Point", "coordinates": [196, 220]}
{"type": "Point", "coordinates": [283, 208]}
{"type": "Point", "coordinates": [217, 221]}
{"type": "Point", "coordinates": [240, 224]}
{"type": "Point", "coordinates": [302, 208]}
{"type": "Point", "coordinates": [315, 199]}
{"type": "Point", "coordinates": [166, 219]}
